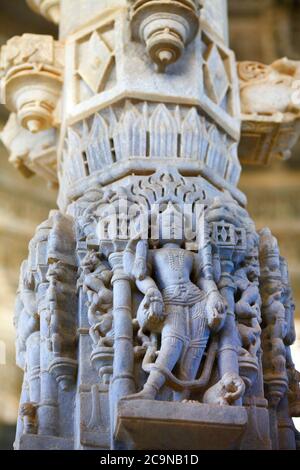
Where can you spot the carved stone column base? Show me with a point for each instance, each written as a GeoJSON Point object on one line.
{"type": "Point", "coordinates": [174, 425]}
{"type": "Point", "coordinates": [257, 436]}
{"type": "Point", "coordinates": [33, 442]}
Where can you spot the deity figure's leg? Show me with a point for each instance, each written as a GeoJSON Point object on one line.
{"type": "Point", "coordinates": [172, 345]}
{"type": "Point", "coordinates": [193, 352]}
{"type": "Point", "coordinates": [168, 357]}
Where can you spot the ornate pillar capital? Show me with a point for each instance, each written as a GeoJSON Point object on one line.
{"type": "Point", "coordinates": [32, 76]}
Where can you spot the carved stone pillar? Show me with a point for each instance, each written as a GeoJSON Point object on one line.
{"type": "Point", "coordinates": [48, 408]}
{"type": "Point", "coordinates": [135, 113]}
{"type": "Point", "coordinates": [122, 383]}
{"type": "Point", "coordinates": [228, 348]}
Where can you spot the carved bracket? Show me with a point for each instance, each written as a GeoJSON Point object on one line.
{"type": "Point", "coordinates": [165, 27]}
{"type": "Point", "coordinates": [31, 153]}
{"type": "Point", "coordinates": [270, 105]}
{"type": "Point", "coordinates": [32, 67]}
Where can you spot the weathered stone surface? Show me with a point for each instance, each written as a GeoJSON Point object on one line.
{"type": "Point", "coordinates": [33, 94]}
{"type": "Point", "coordinates": [270, 105]}
{"type": "Point", "coordinates": [33, 442]}
{"type": "Point", "coordinates": [149, 301]}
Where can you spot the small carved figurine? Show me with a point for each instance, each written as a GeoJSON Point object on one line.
{"type": "Point", "coordinates": [95, 278]}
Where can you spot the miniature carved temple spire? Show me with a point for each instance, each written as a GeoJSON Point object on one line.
{"type": "Point", "coordinates": [150, 311]}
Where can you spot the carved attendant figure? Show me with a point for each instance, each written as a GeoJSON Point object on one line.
{"type": "Point", "coordinates": [248, 306]}
{"type": "Point", "coordinates": [95, 278]}
{"type": "Point", "coordinates": [26, 312]}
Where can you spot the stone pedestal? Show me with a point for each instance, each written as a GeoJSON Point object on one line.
{"type": "Point", "coordinates": [180, 426]}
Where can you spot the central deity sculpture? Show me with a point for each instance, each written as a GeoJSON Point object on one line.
{"type": "Point", "coordinates": [182, 302]}
{"type": "Point", "coordinates": [178, 337]}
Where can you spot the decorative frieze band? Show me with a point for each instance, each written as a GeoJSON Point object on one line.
{"type": "Point", "coordinates": [161, 134]}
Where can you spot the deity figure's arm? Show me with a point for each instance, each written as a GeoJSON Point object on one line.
{"type": "Point", "coordinates": [204, 274]}
{"type": "Point", "coordinates": [137, 263]}
{"type": "Point", "coordinates": [135, 259]}
{"type": "Point", "coordinates": [206, 266]}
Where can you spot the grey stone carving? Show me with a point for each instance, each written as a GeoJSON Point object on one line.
{"type": "Point", "coordinates": [151, 312]}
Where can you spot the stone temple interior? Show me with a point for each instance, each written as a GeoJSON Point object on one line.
{"type": "Point", "coordinates": [260, 30]}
